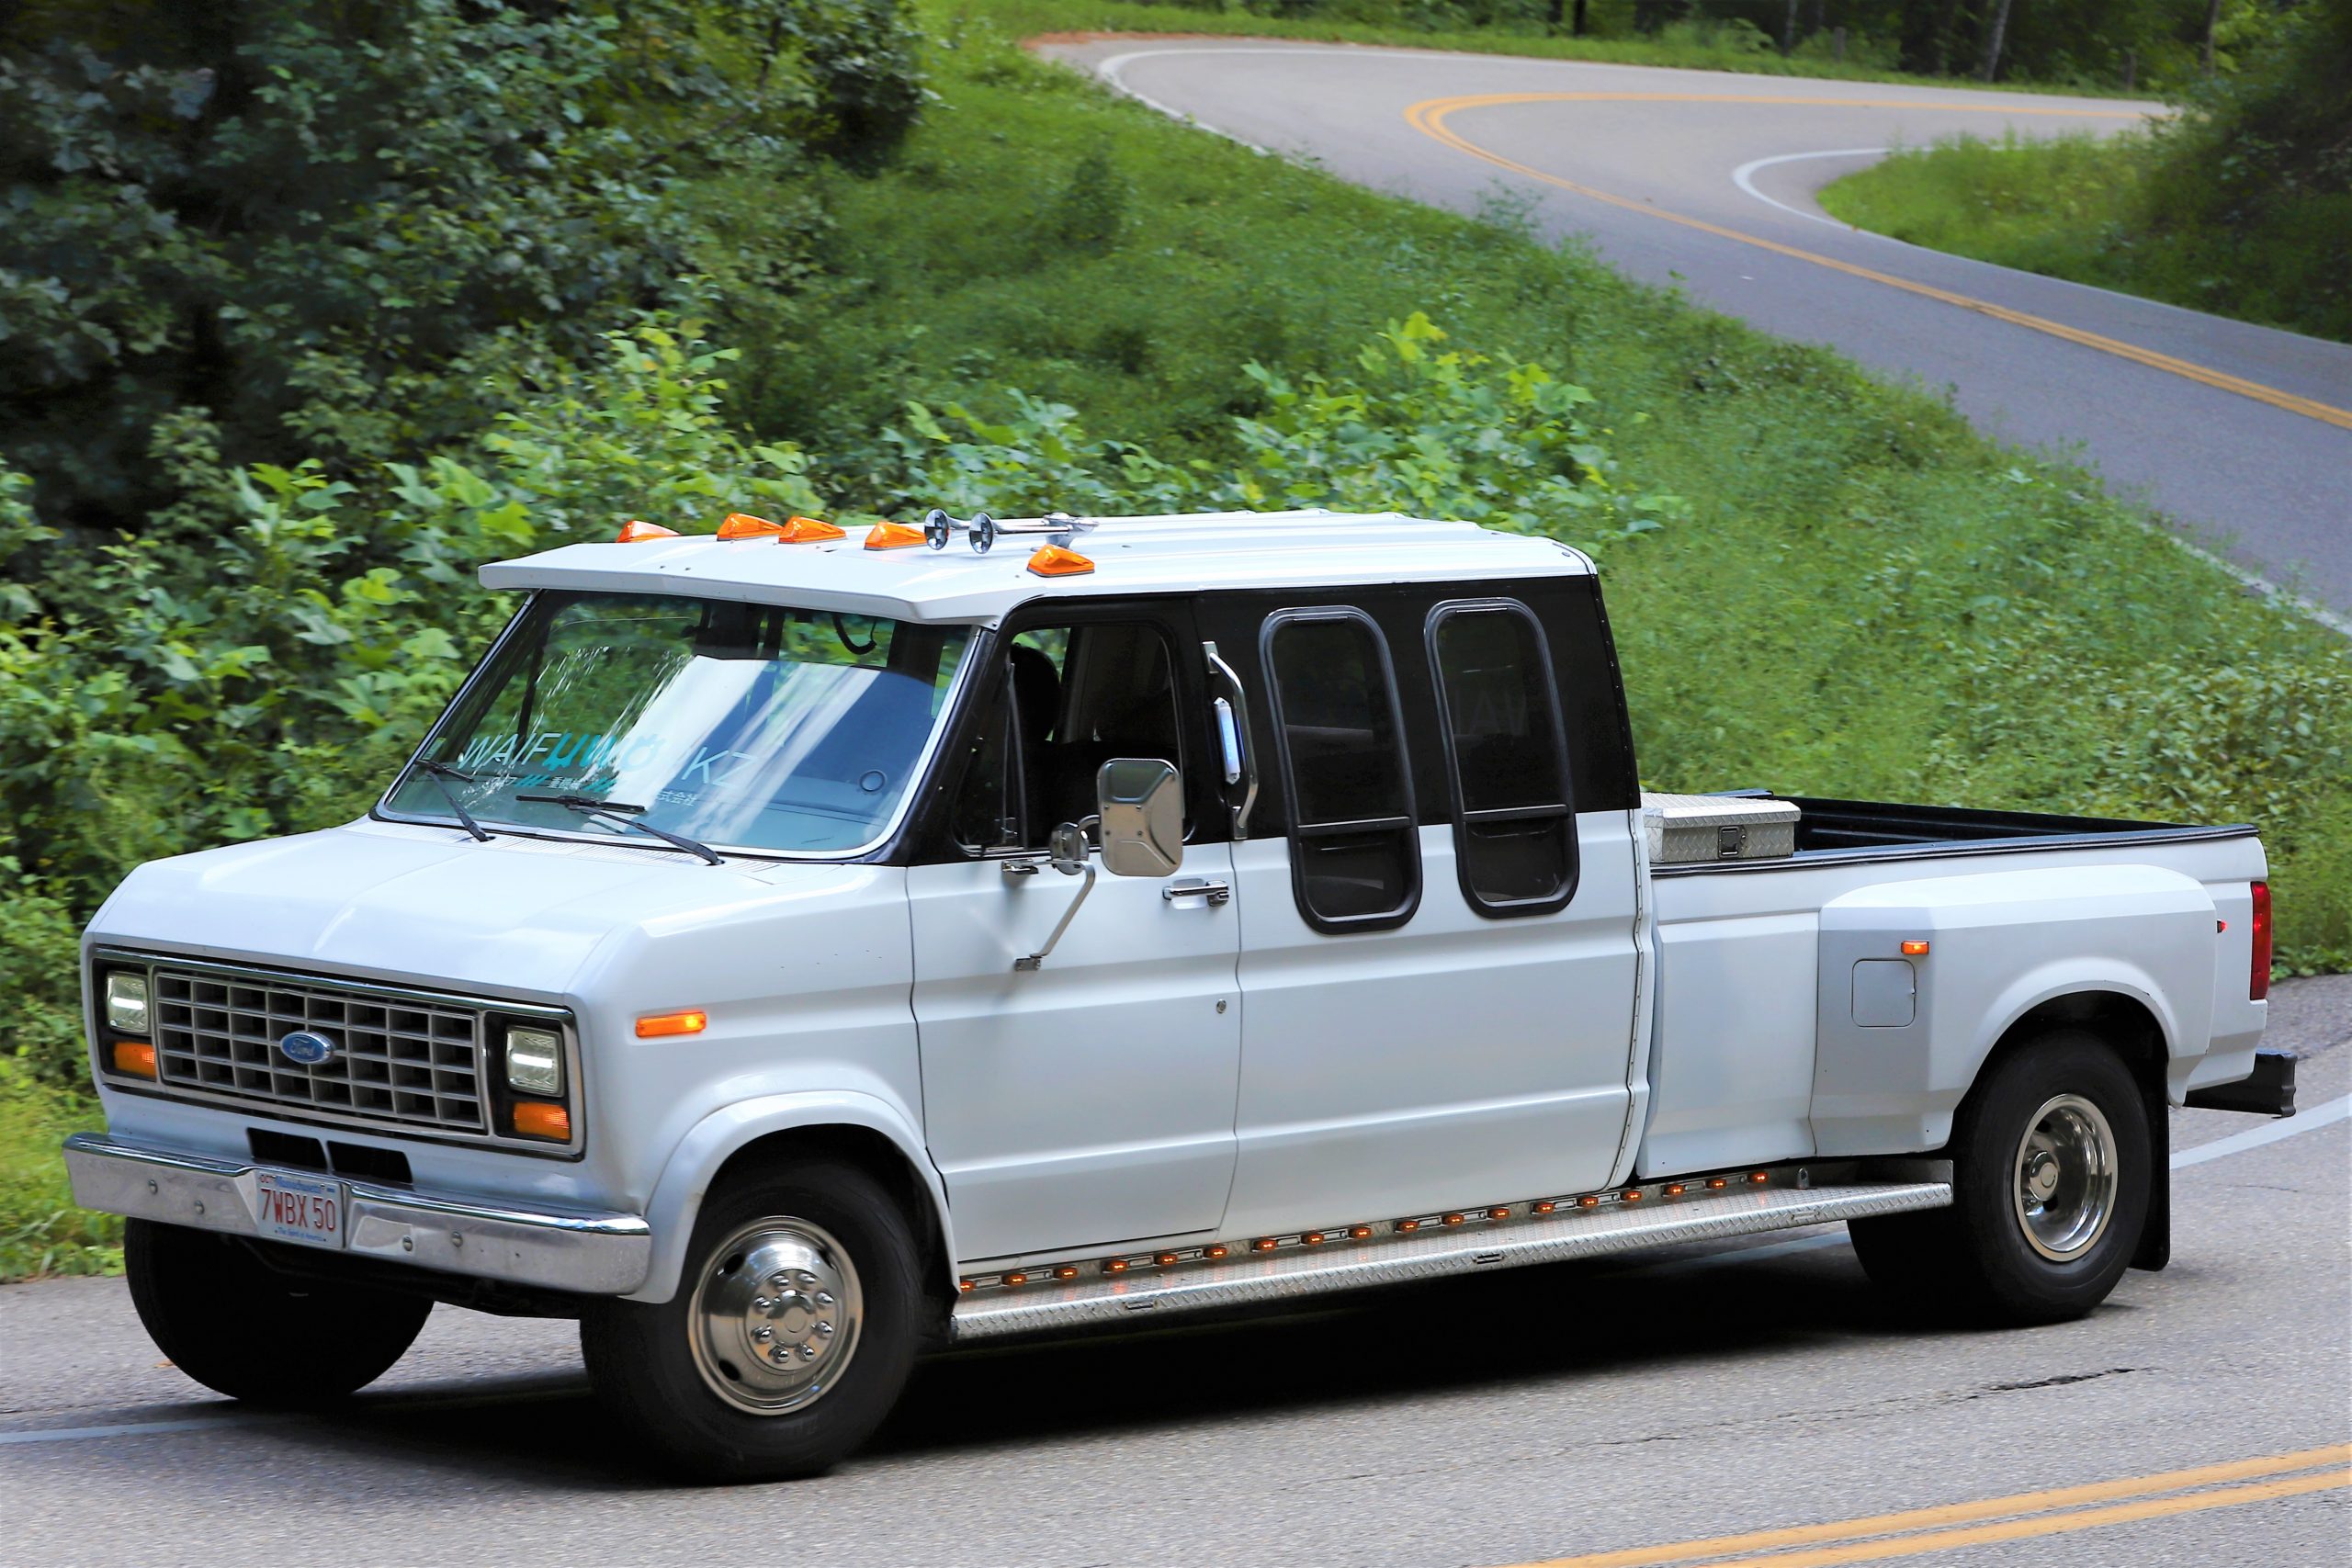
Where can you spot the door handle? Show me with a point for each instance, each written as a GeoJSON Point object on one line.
{"type": "Point", "coordinates": [1215, 890]}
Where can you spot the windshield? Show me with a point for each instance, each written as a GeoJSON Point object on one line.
{"type": "Point", "coordinates": [754, 726]}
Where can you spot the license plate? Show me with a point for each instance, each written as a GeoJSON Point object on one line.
{"type": "Point", "coordinates": [303, 1208]}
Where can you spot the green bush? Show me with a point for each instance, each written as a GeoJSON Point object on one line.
{"type": "Point", "coordinates": [267, 225]}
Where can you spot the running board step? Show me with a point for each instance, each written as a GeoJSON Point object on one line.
{"type": "Point", "coordinates": [1395, 1259]}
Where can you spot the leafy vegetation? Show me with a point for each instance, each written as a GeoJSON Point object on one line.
{"type": "Point", "coordinates": [1031, 294]}
{"type": "Point", "coordinates": [2242, 206]}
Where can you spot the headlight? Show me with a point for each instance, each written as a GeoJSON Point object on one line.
{"type": "Point", "coordinates": [126, 996]}
{"type": "Point", "coordinates": [535, 1060]}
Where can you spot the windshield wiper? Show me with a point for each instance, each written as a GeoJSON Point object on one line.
{"type": "Point", "coordinates": [626, 816]}
{"type": "Point", "coordinates": [441, 773]}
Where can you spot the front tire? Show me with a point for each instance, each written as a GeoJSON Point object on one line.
{"type": "Point", "coordinates": [239, 1327]}
{"type": "Point", "coordinates": [793, 1330]}
{"type": "Point", "coordinates": [2052, 1175]}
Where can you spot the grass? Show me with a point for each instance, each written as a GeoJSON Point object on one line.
{"type": "Point", "coordinates": [1866, 596]}
{"type": "Point", "coordinates": [40, 1230]}
{"type": "Point", "coordinates": [2126, 213]}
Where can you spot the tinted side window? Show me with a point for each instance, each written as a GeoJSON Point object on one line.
{"type": "Point", "coordinates": [1356, 861]}
{"type": "Point", "coordinates": [1514, 826]}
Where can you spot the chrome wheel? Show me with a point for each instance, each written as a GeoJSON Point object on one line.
{"type": "Point", "coordinates": [775, 1316]}
{"type": "Point", "coordinates": [2065, 1187]}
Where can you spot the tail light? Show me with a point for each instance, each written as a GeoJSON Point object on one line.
{"type": "Point", "coordinates": [2258, 981]}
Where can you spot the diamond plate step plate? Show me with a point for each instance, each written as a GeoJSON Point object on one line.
{"type": "Point", "coordinates": [1397, 1259]}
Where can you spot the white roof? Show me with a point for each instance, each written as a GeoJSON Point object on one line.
{"type": "Point", "coordinates": [1131, 554]}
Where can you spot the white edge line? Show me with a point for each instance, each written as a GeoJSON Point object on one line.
{"type": "Point", "coordinates": [2311, 1120]}
{"type": "Point", "coordinates": [1109, 71]}
{"type": "Point", "coordinates": [1740, 177]}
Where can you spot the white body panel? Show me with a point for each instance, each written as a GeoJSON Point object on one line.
{"type": "Point", "coordinates": [1455, 1061]}
{"type": "Point", "coordinates": [1089, 1101]}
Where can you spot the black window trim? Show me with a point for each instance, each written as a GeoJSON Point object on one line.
{"type": "Point", "coordinates": [1169, 616]}
{"type": "Point", "coordinates": [1464, 818]}
{"type": "Point", "coordinates": [1298, 830]}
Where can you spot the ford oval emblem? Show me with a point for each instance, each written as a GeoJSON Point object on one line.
{"type": "Point", "coordinates": [306, 1047]}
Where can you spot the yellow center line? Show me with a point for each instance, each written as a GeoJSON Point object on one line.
{"type": "Point", "coordinates": [1850, 1544]}
{"type": "Point", "coordinates": [1429, 117]}
{"type": "Point", "coordinates": [1488, 99]}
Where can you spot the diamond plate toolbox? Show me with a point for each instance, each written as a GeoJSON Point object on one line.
{"type": "Point", "coordinates": [1684, 829]}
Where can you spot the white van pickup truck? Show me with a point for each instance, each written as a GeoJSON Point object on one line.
{"type": "Point", "coordinates": [796, 950]}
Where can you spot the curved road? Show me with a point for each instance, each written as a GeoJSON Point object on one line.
{"type": "Point", "coordinates": [1705, 180]}
{"type": "Point", "coordinates": [1643, 1410]}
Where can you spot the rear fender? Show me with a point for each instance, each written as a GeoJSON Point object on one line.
{"type": "Point", "coordinates": [1893, 1066]}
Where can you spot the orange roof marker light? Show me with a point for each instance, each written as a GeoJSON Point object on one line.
{"type": "Point", "coordinates": [637, 531]}
{"type": "Point", "coordinates": [893, 536]}
{"type": "Point", "coordinates": [687, 1021]}
{"type": "Point", "coordinates": [1054, 561]}
{"type": "Point", "coordinates": [791, 531]}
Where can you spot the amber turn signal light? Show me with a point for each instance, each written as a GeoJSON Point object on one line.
{"type": "Point", "coordinates": [636, 529]}
{"type": "Point", "coordinates": [893, 536]}
{"type": "Point", "coordinates": [691, 1021]}
{"type": "Point", "coordinates": [135, 1057]}
{"type": "Point", "coordinates": [1055, 561]}
{"type": "Point", "coordinates": [537, 1119]}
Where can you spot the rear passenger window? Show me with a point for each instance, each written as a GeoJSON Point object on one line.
{"type": "Point", "coordinates": [1514, 827]}
{"type": "Point", "coordinates": [1356, 861]}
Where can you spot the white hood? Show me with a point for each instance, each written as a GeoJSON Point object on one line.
{"type": "Point", "coordinates": [516, 916]}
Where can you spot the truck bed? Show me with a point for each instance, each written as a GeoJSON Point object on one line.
{"type": "Point", "coordinates": [1744, 1014]}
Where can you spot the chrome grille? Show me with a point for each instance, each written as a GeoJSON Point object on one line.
{"type": "Point", "coordinates": [405, 1061]}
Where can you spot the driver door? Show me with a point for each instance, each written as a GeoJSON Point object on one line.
{"type": "Point", "coordinates": [1089, 1101]}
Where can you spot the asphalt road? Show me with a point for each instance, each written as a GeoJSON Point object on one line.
{"type": "Point", "coordinates": [1501, 1419]}
{"type": "Point", "coordinates": [1705, 180]}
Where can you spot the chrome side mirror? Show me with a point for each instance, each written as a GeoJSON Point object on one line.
{"type": "Point", "coordinates": [1141, 804]}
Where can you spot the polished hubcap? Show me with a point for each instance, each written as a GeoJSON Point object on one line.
{"type": "Point", "coordinates": [2065, 1178]}
{"type": "Point", "coordinates": [775, 1317]}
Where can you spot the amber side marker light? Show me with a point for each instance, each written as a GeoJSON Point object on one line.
{"type": "Point", "coordinates": [1914, 950]}
{"type": "Point", "coordinates": [1217, 1249]}
{"type": "Point", "coordinates": [1055, 561]}
{"type": "Point", "coordinates": [1759, 1176]}
{"type": "Point", "coordinates": [791, 531]}
{"type": "Point", "coordinates": [135, 1057]}
{"type": "Point", "coordinates": [893, 536]}
{"type": "Point", "coordinates": [691, 1021]}
{"type": "Point", "coordinates": [1717, 1182]}
{"type": "Point", "coordinates": [536, 1119]}
{"type": "Point", "coordinates": [1115, 1266]}
{"type": "Point", "coordinates": [1066, 1272]}
{"type": "Point", "coordinates": [636, 530]}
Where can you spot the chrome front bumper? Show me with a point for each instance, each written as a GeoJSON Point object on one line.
{"type": "Point", "coordinates": [596, 1254]}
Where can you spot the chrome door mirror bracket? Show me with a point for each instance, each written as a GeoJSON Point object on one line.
{"type": "Point", "coordinates": [1070, 858]}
